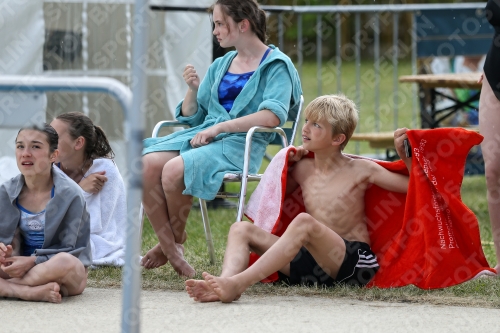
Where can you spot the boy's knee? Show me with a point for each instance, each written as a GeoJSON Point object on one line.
{"type": "Point", "coordinates": [306, 225]}
{"type": "Point", "coordinates": [242, 228]}
{"type": "Point", "coordinates": [303, 220]}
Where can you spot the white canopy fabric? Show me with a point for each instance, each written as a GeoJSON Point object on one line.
{"type": "Point", "coordinates": [22, 33]}
{"type": "Point", "coordinates": [189, 41]}
{"type": "Point", "coordinates": [22, 36]}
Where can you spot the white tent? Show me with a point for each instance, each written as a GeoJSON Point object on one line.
{"type": "Point", "coordinates": [21, 37]}
{"type": "Point", "coordinates": [94, 38]}
{"type": "Point", "coordinates": [190, 41]}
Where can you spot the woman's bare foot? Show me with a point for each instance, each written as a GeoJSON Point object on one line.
{"type": "Point", "coordinates": [154, 258]}
{"type": "Point", "coordinates": [228, 289]}
{"type": "Point", "coordinates": [180, 264]}
{"type": "Point", "coordinates": [47, 293]}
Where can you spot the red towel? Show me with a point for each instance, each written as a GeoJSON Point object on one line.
{"type": "Point", "coordinates": [427, 237]}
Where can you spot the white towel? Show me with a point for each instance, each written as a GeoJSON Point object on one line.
{"type": "Point", "coordinates": [264, 206]}
{"type": "Point", "coordinates": [108, 216]}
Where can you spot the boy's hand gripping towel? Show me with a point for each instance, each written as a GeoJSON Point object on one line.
{"type": "Point", "coordinates": [427, 237]}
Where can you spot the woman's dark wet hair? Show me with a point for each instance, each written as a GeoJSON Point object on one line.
{"type": "Point", "coordinates": [96, 142]}
{"type": "Point", "coordinates": [49, 131]}
{"type": "Point", "coordinates": [239, 10]}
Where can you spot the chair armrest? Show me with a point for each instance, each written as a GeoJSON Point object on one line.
{"type": "Point", "coordinates": [248, 142]}
{"type": "Point", "coordinates": [167, 123]}
{"type": "Point", "coordinates": [255, 129]}
{"type": "Point", "coordinates": [246, 160]}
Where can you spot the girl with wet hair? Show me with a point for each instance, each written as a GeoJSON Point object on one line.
{"type": "Point", "coordinates": [45, 227]}
{"type": "Point", "coordinates": [85, 155]}
{"type": "Point", "coordinates": [255, 85]}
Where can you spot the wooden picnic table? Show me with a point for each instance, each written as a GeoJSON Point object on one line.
{"type": "Point", "coordinates": [451, 80]}
{"type": "Point", "coordinates": [430, 116]}
{"type": "Point", "coordinates": [381, 140]}
{"type": "Point", "coordinates": [384, 140]}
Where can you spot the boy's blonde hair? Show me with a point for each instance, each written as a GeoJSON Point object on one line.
{"type": "Point", "coordinates": [338, 110]}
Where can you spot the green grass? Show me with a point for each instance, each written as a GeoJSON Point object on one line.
{"type": "Point", "coordinates": [368, 96]}
{"type": "Point", "coordinates": [482, 292]}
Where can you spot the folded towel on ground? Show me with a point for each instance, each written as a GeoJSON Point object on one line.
{"type": "Point", "coordinates": [427, 237]}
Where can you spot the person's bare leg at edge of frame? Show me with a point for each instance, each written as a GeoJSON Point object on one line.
{"type": "Point", "coordinates": [167, 209]}
{"type": "Point", "coordinates": [489, 123]}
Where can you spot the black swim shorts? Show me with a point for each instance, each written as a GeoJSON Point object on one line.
{"type": "Point", "coordinates": [358, 268]}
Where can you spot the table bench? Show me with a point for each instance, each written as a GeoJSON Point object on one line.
{"type": "Point", "coordinates": [377, 140]}
{"type": "Point", "coordinates": [385, 140]}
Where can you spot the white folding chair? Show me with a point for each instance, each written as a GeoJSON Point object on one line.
{"type": "Point", "coordinates": [285, 137]}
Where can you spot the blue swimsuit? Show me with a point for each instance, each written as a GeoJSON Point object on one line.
{"type": "Point", "coordinates": [32, 227]}
{"type": "Point", "coordinates": [232, 84]}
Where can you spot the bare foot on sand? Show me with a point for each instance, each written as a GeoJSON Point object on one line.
{"type": "Point", "coordinates": [228, 289]}
{"type": "Point", "coordinates": [180, 264]}
{"type": "Point", "coordinates": [199, 291]}
{"type": "Point", "coordinates": [154, 258]}
{"type": "Point", "coordinates": [46, 293]}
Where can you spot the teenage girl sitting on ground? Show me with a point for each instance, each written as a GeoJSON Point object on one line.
{"type": "Point", "coordinates": [44, 228]}
{"type": "Point", "coordinates": [85, 155]}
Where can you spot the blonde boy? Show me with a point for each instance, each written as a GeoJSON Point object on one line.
{"type": "Point", "coordinates": [327, 245]}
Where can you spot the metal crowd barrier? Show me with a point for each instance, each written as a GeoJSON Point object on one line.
{"type": "Point", "coordinates": [133, 125]}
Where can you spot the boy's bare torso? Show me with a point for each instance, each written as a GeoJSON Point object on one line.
{"type": "Point", "coordinates": [336, 197]}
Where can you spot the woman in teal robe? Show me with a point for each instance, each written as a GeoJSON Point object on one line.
{"type": "Point", "coordinates": [194, 161]}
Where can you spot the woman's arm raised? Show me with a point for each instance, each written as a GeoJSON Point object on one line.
{"type": "Point", "coordinates": [190, 104]}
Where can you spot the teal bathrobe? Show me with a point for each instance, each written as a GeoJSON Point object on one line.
{"type": "Point", "coordinates": [274, 86]}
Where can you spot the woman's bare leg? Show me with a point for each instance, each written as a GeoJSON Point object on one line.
{"type": "Point", "coordinates": [489, 126]}
{"type": "Point", "coordinates": [178, 204]}
{"type": "Point", "coordinates": [243, 238]}
{"type": "Point", "coordinates": [64, 269]}
{"type": "Point", "coordinates": [325, 245]}
{"type": "Point", "coordinates": [155, 205]}
{"type": "Point", "coordinates": [178, 207]}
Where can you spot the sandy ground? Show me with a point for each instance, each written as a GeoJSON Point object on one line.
{"type": "Point", "coordinates": [99, 310]}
